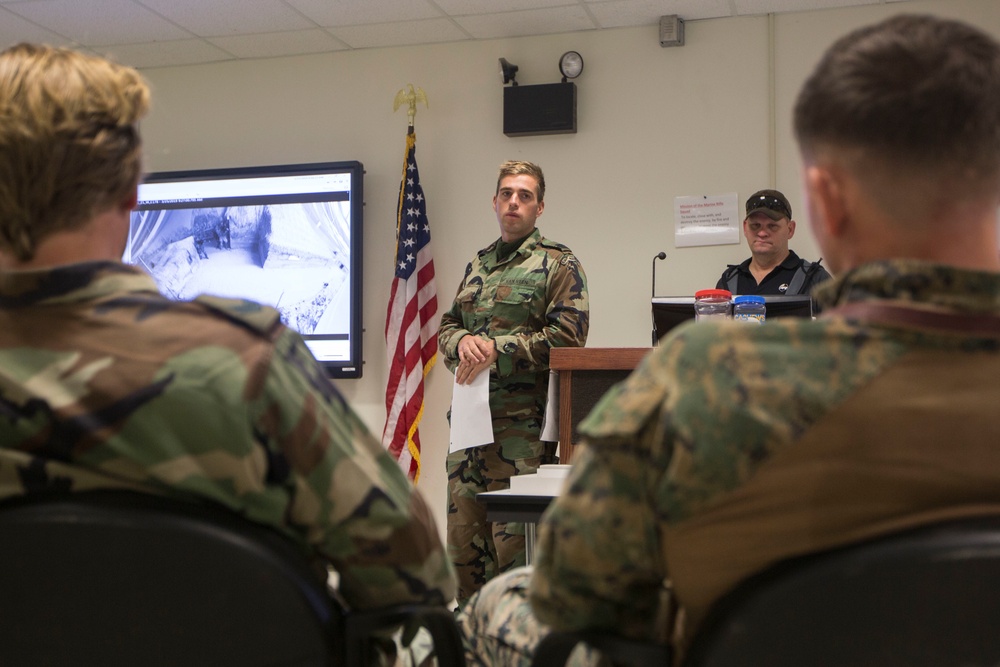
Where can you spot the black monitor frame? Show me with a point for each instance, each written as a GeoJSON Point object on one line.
{"type": "Point", "coordinates": [340, 360]}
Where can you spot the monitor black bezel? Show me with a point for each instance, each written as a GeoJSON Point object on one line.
{"type": "Point", "coordinates": [353, 367]}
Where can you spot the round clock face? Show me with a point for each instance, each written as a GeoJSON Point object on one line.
{"type": "Point", "coordinates": [571, 64]}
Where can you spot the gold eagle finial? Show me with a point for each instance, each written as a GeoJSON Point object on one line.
{"type": "Point", "coordinates": [410, 97]}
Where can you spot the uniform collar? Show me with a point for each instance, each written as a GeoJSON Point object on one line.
{"type": "Point", "coordinates": [71, 282]}
{"type": "Point", "coordinates": [489, 253]}
{"type": "Point", "coordinates": [911, 280]}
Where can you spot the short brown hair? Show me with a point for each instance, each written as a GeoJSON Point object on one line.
{"type": "Point", "coordinates": [69, 145]}
{"type": "Point", "coordinates": [516, 168]}
{"type": "Point", "coordinates": [915, 92]}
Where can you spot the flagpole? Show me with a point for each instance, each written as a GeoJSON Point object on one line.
{"type": "Point", "coordinates": [411, 325]}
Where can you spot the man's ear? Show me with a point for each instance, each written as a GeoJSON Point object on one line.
{"type": "Point", "coordinates": [791, 228]}
{"type": "Point", "coordinates": [132, 200]}
{"type": "Point", "coordinates": [541, 207]}
{"type": "Point", "coordinates": [826, 194]}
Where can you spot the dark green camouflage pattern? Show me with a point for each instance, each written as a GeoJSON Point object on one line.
{"type": "Point", "coordinates": [705, 410]}
{"type": "Point", "coordinates": [530, 302]}
{"type": "Point", "coordinates": [480, 549]}
{"type": "Point", "coordinates": [105, 383]}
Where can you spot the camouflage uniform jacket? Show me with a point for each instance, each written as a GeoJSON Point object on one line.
{"type": "Point", "coordinates": [106, 383]}
{"type": "Point", "coordinates": [731, 448]}
{"type": "Point", "coordinates": [530, 302]}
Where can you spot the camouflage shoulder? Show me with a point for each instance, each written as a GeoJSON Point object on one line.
{"type": "Point", "coordinates": [249, 314]}
{"type": "Point", "coordinates": [553, 245]}
{"type": "Point", "coordinates": [559, 251]}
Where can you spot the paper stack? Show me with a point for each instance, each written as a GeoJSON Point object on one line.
{"type": "Point", "coordinates": [548, 481]}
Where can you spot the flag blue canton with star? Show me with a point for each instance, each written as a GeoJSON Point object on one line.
{"type": "Point", "coordinates": [414, 231]}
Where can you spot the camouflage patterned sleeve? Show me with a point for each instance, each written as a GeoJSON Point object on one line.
{"type": "Point", "coordinates": [598, 559]}
{"type": "Point", "coordinates": [452, 327]}
{"type": "Point", "coordinates": [347, 495]}
{"type": "Point", "coordinates": [566, 321]}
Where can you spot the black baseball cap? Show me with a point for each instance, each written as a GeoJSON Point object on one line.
{"type": "Point", "coordinates": [771, 203]}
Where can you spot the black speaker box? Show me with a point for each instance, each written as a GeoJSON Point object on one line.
{"type": "Point", "coordinates": [545, 109]}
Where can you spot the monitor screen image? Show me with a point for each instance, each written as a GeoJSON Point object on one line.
{"type": "Point", "coordinates": [287, 236]}
{"type": "Point", "coordinates": [670, 311]}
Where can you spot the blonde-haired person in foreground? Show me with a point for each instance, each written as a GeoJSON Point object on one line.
{"type": "Point", "coordinates": [730, 449]}
{"type": "Point", "coordinates": [104, 383]}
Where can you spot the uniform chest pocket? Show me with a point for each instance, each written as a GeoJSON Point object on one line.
{"type": "Point", "coordinates": [468, 296]}
{"type": "Point", "coordinates": [517, 302]}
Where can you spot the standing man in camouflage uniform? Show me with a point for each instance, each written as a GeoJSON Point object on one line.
{"type": "Point", "coordinates": [104, 383]}
{"type": "Point", "coordinates": [729, 449]}
{"type": "Point", "coordinates": [521, 296]}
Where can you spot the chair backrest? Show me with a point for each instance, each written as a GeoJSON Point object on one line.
{"type": "Point", "coordinates": [926, 597]}
{"type": "Point", "coordinates": [120, 578]}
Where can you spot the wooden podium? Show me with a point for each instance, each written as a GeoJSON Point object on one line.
{"type": "Point", "coordinates": [585, 374]}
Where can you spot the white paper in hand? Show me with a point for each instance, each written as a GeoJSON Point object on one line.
{"type": "Point", "coordinates": [471, 422]}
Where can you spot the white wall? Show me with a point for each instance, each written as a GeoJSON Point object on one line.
{"type": "Point", "coordinates": [653, 123]}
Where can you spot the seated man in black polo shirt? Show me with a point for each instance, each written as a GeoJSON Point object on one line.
{"type": "Point", "coordinates": [772, 268]}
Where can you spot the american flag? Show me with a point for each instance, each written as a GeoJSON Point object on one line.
{"type": "Point", "coordinates": [411, 323]}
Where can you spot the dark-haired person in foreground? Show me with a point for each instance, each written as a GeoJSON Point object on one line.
{"type": "Point", "coordinates": [104, 383]}
{"type": "Point", "coordinates": [730, 449]}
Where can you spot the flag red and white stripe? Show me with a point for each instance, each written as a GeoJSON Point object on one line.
{"type": "Point", "coordinates": [411, 323]}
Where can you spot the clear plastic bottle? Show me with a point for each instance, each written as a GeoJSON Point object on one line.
{"type": "Point", "coordinates": [749, 308]}
{"type": "Point", "coordinates": [712, 304]}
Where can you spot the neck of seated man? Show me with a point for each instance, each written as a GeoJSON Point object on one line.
{"type": "Point", "coordinates": [762, 264]}
{"type": "Point", "coordinates": [102, 238]}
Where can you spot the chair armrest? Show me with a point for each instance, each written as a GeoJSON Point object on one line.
{"type": "Point", "coordinates": [360, 626]}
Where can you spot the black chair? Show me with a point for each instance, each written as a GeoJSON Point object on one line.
{"type": "Point", "coordinates": [926, 597]}
{"type": "Point", "coordinates": [121, 578]}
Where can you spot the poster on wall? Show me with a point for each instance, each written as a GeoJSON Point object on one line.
{"type": "Point", "coordinates": [706, 220]}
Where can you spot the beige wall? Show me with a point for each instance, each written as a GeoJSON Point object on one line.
{"type": "Point", "coordinates": [654, 123]}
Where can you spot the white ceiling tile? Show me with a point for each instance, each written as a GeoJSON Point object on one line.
{"type": "Point", "coordinates": [273, 44]}
{"type": "Point", "coordinates": [160, 32]}
{"type": "Point", "coordinates": [338, 13]}
{"type": "Point", "coordinates": [14, 29]}
{"type": "Point", "coordinates": [99, 22]}
{"type": "Point", "coordinates": [465, 7]}
{"type": "Point", "coordinates": [620, 13]}
{"type": "Point", "coordinates": [164, 54]}
{"type": "Point", "coordinates": [230, 17]}
{"type": "Point", "coordinates": [400, 33]}
{"type": "Point", "coordinates": [529, 22]}
{"type": "Point", "coordinates": [744, 7]}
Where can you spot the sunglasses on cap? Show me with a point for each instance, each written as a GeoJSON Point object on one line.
{"type": "Point", "coordinates": [769, 202]}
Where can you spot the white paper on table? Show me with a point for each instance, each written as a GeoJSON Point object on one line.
{"type": "Point", "coordinates": [550, 421]}
{"type": "Point", "coordinates": [471, 421]}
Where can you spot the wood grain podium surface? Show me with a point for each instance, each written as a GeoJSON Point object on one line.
{"type": "Point", "coordinates": [591, 370]}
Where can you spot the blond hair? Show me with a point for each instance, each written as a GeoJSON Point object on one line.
{"type": "Point", "coordinates": [69, 144]}
{"type": "Point", "coordinates": [516, 168]}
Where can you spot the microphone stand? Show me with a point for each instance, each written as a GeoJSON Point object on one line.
{"type": "Point", "coordinates": [652, 295]}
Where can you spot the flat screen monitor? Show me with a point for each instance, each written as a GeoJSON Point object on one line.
{"type": "Point", "coordinates": [288, 236]}
{"type": "Point", "coordinates": [670, 311]}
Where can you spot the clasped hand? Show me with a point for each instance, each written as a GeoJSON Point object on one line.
{"type": "Point", "coordinates": [475, 354]}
